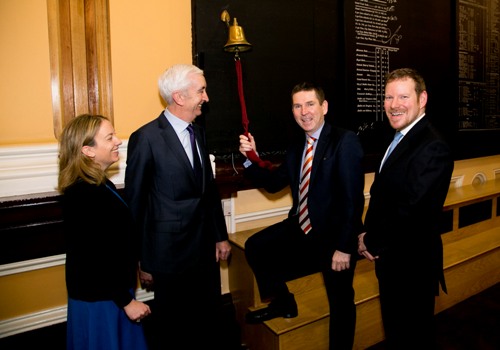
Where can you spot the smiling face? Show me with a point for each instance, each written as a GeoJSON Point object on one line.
{"type": "Point", "coordinates": [194, 97]}
{"type": "Point", "coordinates": [104, 150]}
{"type": "Point", "coordinates": [402, 104]}
{"type": "Point", "coordinates": [308, 112]}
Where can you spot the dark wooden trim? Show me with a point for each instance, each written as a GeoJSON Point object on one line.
{"type": "Point", "coordinates": [30, 229]}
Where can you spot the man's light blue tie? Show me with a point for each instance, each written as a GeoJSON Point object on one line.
{"type": "Point", "coordinates": [393, 145]}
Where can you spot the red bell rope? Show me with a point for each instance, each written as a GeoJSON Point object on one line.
{"type": "Point", "coordinates": [252, 155]}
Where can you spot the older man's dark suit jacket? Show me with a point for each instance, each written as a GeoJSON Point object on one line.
{"type": "Point", "coordinates": [406, 201]}
{"type": "Point", "coordinates": [180, 221]}
{"type": "Point", "coordinates": [336, 187]}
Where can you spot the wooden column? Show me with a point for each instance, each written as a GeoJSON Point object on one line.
{"type": "Point", "coordinates": [80, 59]}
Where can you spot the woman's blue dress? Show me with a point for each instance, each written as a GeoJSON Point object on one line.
{"type": "Point", "coordinates": [102, 325]}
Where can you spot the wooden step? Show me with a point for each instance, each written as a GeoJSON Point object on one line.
{"type": "Point", "coordinates": [309, 330]}
{"type": "Point", "coordinates": [471, 265]}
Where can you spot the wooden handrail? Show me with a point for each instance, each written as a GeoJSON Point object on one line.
{"type": "Point", "coordinates": [458, 197]}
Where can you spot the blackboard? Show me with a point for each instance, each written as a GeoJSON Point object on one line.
{"type": "Point", "coordinates": [326, 41]}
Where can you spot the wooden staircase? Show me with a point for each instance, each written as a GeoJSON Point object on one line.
{"type": "Point", "coordinates": [471, 258]}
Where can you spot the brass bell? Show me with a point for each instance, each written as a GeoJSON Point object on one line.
{"type": "Point", "coordinates": [236, 42]}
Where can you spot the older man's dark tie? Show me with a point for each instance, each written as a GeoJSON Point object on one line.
{"type": "Point", "coordinates": [198, 172]}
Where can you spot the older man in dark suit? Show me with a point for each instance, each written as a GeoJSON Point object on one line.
{"type": "Point", "coordinates": [325, 174]}
{"type": "Point", "coordinates": [406, 200]}
{"type": "Point", "coordinates": [171, 191]}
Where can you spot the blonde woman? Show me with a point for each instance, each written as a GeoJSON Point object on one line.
{"type": "Point", "coordinates": [101, 259]}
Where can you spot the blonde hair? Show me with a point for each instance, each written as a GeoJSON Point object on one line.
{"type": "Point", "coordinates": [407, 73]}
{"type": "Point", "coordinates": [73, 164]}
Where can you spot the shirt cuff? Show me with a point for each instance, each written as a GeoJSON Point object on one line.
{"type": "Point", "coordinates": [247, 163]}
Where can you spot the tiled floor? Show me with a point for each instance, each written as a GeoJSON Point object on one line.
{"type": "Point", "coordinates": [474, 324]}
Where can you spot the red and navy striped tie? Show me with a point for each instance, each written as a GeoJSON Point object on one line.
{"type": "Point", "coordinates": [304, 221]}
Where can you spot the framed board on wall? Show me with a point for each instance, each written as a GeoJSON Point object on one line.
{"type": "Point", "coordinates": [478, 55]}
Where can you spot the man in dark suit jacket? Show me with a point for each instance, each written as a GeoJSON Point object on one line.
{"type": "Point", "coordinates": [335, 203]}
{"type": "Point", "coordinates": [183, 231]}
{"type": "Point", "coordinates": [406, 200]}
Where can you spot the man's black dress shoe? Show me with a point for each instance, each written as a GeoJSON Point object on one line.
{"type": "Point", "coordinates": [283, 307]}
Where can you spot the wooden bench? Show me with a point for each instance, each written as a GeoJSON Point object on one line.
{"type": "Point", "coordinates": [471, 259]}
